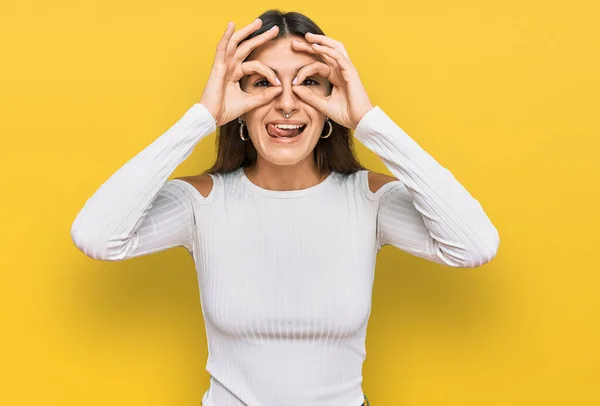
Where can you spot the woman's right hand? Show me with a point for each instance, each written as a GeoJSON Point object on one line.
{"type": "Point", "coordinates": [222, 95]}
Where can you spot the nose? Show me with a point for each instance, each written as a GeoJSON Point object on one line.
{"type": "Point", "coordinates": [287, 99]}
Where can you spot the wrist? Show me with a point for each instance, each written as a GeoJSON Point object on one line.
{"type": "Point", "coordinates": [362, 112]}
{"type": "Point", "coordinates": [211, 110]}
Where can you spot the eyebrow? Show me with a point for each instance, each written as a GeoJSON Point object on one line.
{"type": "Point", "coordinates": [277, 73]}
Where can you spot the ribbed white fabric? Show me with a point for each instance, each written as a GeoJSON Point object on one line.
{"type": "Point", "coordinates": [285, 277]}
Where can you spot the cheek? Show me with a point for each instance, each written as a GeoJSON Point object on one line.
{"type": "Point", "coordinates": [317, 121]}
{"type": "Point", "coordinates": [321, 90]}
{"type": "Point", "coordinates": [256, 116]}
{"type": "Point", "coordinates": [250, 89]}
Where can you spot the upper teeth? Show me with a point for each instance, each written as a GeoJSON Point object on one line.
{"type": "Point", "coordinates": [288, 126]}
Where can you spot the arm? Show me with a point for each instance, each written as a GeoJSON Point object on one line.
{"type": "Point", "coordinates": [137, 211]}
{"type": "Point", "coordinates": [427, 213]}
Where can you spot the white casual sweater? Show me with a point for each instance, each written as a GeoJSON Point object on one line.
{"type": "Point", "coordinates": [285, 277]}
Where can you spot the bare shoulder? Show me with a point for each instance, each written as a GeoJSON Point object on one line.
{"type": "Point", "coordinates": [203, 183]}
{"type": "Point", "coordinates": [377, 180]}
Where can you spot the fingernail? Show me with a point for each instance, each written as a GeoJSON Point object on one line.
{"type": "Point", "coordinates": [277, 80]}
{"type": "Point", "coordinates": [317, 45]}
{"type": "Point", "coordinates": [295, 80]}
{"type": "Point", "coordinates": [272, 28]}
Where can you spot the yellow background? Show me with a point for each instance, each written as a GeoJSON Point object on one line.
{"type": "Point", "coordinates": [504, 94]}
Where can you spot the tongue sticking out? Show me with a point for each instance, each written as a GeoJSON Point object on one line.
{"type": "Point", "coordinates": [279, 132]}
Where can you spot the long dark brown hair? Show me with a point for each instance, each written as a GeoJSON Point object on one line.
{"type": "Point", "coordinates": [335, 153]}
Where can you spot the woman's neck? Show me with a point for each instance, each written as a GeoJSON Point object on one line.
{"type": "Point", "coordinates": [284, 177]}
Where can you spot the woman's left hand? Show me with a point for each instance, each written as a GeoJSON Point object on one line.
{"type": "Point", "coordinates": [348, 101]}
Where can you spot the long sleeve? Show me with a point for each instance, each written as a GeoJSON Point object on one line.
{"type": "Point", "coordinates": [427, 212]}
{"type": "Point", "coordinates": [137, 210]}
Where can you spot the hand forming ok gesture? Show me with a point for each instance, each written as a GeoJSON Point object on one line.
{"type": "Point", "coordinates": [348, 101]}
{"type": "Point", "coordinates": [222, 94]}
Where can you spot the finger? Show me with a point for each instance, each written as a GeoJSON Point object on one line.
{"type": "Point", "coordinates": [314, 68]}
{"type": "Point", "coordinates": [307, 47]}
{"type": "Point", "coordinates": [222, 44]}
{"type": "Point", "coordinates": [303, 46]}
{"type": "Point", "coordinates": [341, 60]}
{"type": "Point", "coordinates": [311, 98]}
{"type": "Point", "coordinates": [241, 34]}
{"type": "Point", "coordinates": [324, 40]}
{"type": "Point", "coordinates": [330, 61]}
{"type": "Point", "coordinates": [248, 46]}
{"type": "Point", "coordinates": [263, 97]}
{"type": "Point", "coordinates": [251, 67]}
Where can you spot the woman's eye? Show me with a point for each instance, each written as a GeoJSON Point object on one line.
{"type": "Point", "coordinates": [262, 83]}
{"type": "Point", "coordinates": [265, 82]}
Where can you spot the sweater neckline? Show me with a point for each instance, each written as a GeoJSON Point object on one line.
{"type": "Point", "coordinates": [283, 194]}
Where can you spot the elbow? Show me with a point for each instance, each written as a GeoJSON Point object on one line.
{"type": "Point", "coordinates": [84, 243]}
{"type": "Point", "coordinates": [91, 247]}
{"type": "Point", "coordinates": [483, 250]}
{"type": "Point", "coordinates": [78, 237]}
{"type": "Point", "coordinates": [479, 251]}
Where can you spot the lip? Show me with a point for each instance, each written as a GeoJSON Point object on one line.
{"type": "Point", "coordinates": [292, 122]}
{"type": "Point", "coordinates": [284, 140]}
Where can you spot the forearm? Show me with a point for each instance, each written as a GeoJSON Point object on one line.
{"type": "Point", "coordinates": [111, 216]}
{"type": "Point", "coordinates": [461, 231]}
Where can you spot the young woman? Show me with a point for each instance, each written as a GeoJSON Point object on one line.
{"type": "Point", "coordinates": [285, 227]}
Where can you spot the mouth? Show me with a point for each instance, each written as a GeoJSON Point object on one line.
{"type": "Point", "coordinates": [284, 131]}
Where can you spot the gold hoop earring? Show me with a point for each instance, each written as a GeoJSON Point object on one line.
{"type": "Point", "coordinates": [330, 129]}
{"type": "Point", "coordinates": [242, 130]}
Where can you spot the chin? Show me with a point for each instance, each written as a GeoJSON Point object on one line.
{"type": "Point", "coordinates": [286, 151]}
{"type": "Point", "coordinates": [284, 158]}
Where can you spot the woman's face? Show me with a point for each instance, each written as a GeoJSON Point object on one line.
{"type": "Point", "coordinates": [278, 55]}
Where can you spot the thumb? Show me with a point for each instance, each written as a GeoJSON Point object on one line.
{"type": "Point", "coordinates": [264, 97]}
{"type": "Point", "coordinates": [310, 98]}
